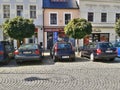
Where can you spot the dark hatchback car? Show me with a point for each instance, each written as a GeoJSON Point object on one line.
{"type": "Point", "coordinates": [62, 51]}
{"type": "Point", "coordinates": [99, 50]}
{"type": "Point", "coordinates": [28, 52]}
{"type": "Point", "coordinates": [6, 52]}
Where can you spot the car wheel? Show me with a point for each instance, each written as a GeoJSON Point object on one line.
{"type": "Point", "coordinates": [92, 58]}
{"type": "Point", "coordinates": [54, 59]}
{"type": "Point", "coordinates": [18, 62]}
{"type": "Point", "coordinates": [73, 59]}
{"type": "Point", "coordinates": [112, 59]}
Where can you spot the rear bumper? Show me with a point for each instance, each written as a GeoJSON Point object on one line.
{"type": "Point", "coordinates": [65, 56]}
{"type": "Point", "coordinates": [27, 58]}
{"type": "Point", "coordinates": [106, 56]}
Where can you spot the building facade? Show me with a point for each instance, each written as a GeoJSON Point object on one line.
{"type": "Point", "coordinates": [102, 14]}
{"type": "Point", "coordinates": [26, 8]}
{"type": "Point", "coordinates": [57, 14]}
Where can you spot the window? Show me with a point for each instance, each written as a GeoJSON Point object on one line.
{"type": "Point", "coordinates": [53, 19]}
{"type": "Point", "coordinates": [19, 10]}
{"type": "Point", "coordinates": [90, 16]}
{"type": "Point", "coordinates": [117, 16]}
{"type": "Point", "coordinates": [67, 18]}
{"type": "Point", "coordinates": [33, 12]}
{"type": "Point", "coordinates": [103, 17]}
{"type": "Point", "coordinates": [6, 11]}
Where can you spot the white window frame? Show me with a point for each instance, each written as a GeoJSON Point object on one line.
{"type": "Point", "coordinates": [3, 10]}
{"type": "Point", "coordinates": [50, 19]}
{"type": "Point", "coordinates": [22, 11]}
{"type": "Point", "coordinates": [36, 10]}
{"type": "Point", "coordinates": [64, 16]}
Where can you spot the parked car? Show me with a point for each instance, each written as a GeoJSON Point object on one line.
{"type": "Point", "coordinates": [6, 52]}
{"type": "Point", "coordinates": [28, 52]}
{"type": "Point", "coordinates": [117, 45]}
{"type": "Point", "coordinates": [99, 50]}
{"type": "Point", "coordinates": [62, 51]}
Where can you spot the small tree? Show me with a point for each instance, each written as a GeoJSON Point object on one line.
{"type": "Point", "coordinates": [117, 27]}
{"type": "Point", "coordinates": [19, 28]}
{"type": "Point", "coordinates": [78, 28]}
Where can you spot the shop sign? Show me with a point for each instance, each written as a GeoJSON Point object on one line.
{"type": "Point", "coordinates": [96, 30]}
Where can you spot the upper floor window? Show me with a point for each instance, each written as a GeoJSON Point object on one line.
{"type": "Point", "coordinates": [6, 11]}
{"type": "Point", "coordinates": [19, 10]}
{"type": "Point", "coordinates": [103, 17]}
{"type": "Point", "coordinates": [90, 16]}
{"type": "Point", "coordinates": [59, 0]}
{"type": "Point", "coordinates": [117, 16]}
{"type": "Point", "coordinates": [67, 18]}
{"type": "Point", "coordinates": [32, 11]}
{"type": "Point", "coordinates": [53, 18]}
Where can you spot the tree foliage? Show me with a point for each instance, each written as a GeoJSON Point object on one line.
{"type": "Point", "coordinates": [117, 27]}
{"type": "Point", "coordinates": [78, 28]}
{"type": "Point", "coordinates": [19, 28]}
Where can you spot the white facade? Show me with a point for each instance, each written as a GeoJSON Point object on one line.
{"type": "Point", "coordinates": [38, 20]}
{"type": "Point", "coordinates": [110, 7]}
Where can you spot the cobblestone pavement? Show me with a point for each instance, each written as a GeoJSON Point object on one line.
{"type": "Point", "coordinates": [80, 75]}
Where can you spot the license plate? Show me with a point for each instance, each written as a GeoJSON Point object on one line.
{"type": "Point", "coordinates": [65, 56]}
{"type": "Point", "coordinates": [109, 51]}
{"type": "Point", "coordinates": [27, 52]}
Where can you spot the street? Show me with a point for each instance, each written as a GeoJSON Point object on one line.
{"type": "Point", "coordinates": [47, 75]}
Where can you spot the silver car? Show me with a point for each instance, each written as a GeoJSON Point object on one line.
{"type": "Point", "coordinates": [28, 52]}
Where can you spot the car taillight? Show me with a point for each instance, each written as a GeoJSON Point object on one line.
{"type": "Point", "coordinates": [37, 52]}
{"type": "Point", "coordinates": [98, 51]}
{"type": "Point", "coordinates": [16, 52]}
{"type": "Point", "coordinates": [55, 48]}
{"type": "Point", "coordinates": [1, 52]}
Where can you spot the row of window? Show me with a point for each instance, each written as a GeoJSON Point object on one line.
{"type": "Point", "coordinates": [103, 17]}
{"type": "Point", "coordinates": [19, 11]}
{"type": "Point", "coordinates": [53, 18]}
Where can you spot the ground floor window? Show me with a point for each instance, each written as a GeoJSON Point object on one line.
{"type": "Point", "coordinates": [53, 37]}
{"type": "Point", "coordinates": [96, 37]}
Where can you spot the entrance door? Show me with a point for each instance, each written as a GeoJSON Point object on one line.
{"type": "Point", "coordinates": [49, 39]}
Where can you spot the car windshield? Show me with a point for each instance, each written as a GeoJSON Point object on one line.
{"type": "Point", "coordinates": [64, 46]}
{"type": "Point", "coordinates": [117, 44]}
{"type": "Point", "coordinates": [28, 46]}
{"type": "Point", "coordinates": [106, 45]}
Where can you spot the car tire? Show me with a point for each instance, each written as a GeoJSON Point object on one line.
{"type": "Point", "coordinates": [112, 59]}
{"type": "Point", "coordinates": [73, 59]}
{"type": "Point", "coordinates": [54, 59]}
{"type": "Point", "coordinates": [18, 62]}
{"type": "Point", "coordinates": [92, 57]}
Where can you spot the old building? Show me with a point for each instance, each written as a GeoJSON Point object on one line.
{"type": "Point", "coordinates": [102, 14]}
{"type": "Point", "coordinates": [26, 8]}
{"type": "Point", "coordinates": [57, 14]}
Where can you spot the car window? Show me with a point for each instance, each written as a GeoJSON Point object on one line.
{"type": "Point", "coordinates": [117, 44]}
{"type": "Point", "coordinates": [106, 45]}
{"type": "Point", "coordinates": [64, 45]}
{"type": "Point", "coordinates": [92, 45]}
{"type": "Point", "coordinates": [8, 48]}
{"type": "Point", "coordinates": [29, 46]}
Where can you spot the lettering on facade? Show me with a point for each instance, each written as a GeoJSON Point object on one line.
{"type": "Point", "coordinates": [96, 30]}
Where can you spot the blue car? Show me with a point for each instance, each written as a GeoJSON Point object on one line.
{"type": "Point", "coordinates": [117, 45]}
{"type": "Point", "coordinates": [6, 52]}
